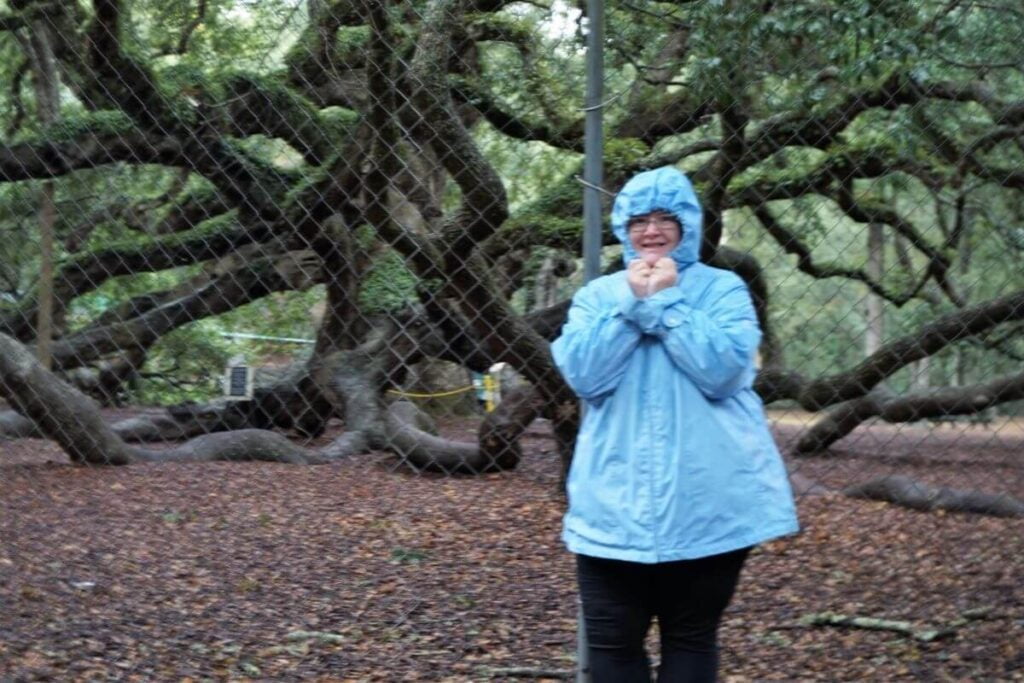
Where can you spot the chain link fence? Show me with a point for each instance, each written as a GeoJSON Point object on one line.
{"type": "Point", "coordinates": [240, 235]}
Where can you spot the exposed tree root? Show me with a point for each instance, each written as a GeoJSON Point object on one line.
{"type": "Point", "coordinates": [924, 634]}
{"type": "Point", "coordinates": [902, 490]}
{"type": "Point", "coordinates": [935, 403]}
{"type": "Point", "coordinates": [527, 672]}
{"type": "Point", "coordinates": [14, 425]}
{"type": "Point", "coordinates": [57, 410]}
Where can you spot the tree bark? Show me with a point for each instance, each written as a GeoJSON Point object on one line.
{"type": "Point", "coordinates": [906, 492]}
{"type": "Point", "coordinates": [774, 385]}
{"type": "Point", "coordinates": [39, 48]}
{"type": "Point", "coordinates": [14, 425]}
{"type": "Point", "coordinates": [60, 411]}
{"type": "Point", "coordinates": [909, 408]}
{"type": "Point", "coordinates": [874, 311]}
{"type": "Point", "coordinates": [64, 414]}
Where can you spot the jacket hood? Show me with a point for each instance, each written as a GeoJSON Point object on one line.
{"type": "Point", "coordinates": [664, 189]}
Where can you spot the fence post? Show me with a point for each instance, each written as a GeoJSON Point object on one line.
{"type": "Point", "coordinates": [593, 142]}
{"type": "Point", "coordinates": [593, 172]}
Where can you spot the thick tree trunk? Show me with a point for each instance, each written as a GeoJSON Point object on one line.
{"type": "Point", "coordinates": [855, 383]}
{"type": "Point", "coordinates": [45, 321]}
{"type": "Point", "coordinates": [874, 310]}
{"type": "Point", "coordinates": [352, 381]}
{"type": "Point", "coordinates": [60, 411]}
{"type": "Point", "coordinates": [39, 47]}
{"type": "Point", "coordinates": [105, 381]}
{"type": "Point", "coordinates": [163, 426]}
{"type": "Point", "coordinates": [241, 445]}
{"type": "Point", "coordinates": [285, 272]}
{"type": "Point", "coordinates": [283, 406]}
{"type": "Point", "coordinates": [499, 434]}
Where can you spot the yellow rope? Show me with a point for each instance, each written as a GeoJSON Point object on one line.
{"type": "Point", "coordinates": [443, 393]}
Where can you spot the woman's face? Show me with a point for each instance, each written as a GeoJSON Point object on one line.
{"type": "Point", "coordinates": [654, 235]}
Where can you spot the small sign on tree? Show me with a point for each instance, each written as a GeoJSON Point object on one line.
{"type": "Point", "coordinates": [238, 379]}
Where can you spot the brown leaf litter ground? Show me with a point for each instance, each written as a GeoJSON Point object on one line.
{"type": "Point", "coordinates": [364, 571]}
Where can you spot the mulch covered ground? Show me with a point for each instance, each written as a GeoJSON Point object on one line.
{"type": "Point", "coordinates": [362, 571]}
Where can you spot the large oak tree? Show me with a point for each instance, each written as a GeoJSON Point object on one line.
{"type": "Point", "coordinates": [449, 133]}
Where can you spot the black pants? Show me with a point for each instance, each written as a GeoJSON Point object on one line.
{"type": "Point", "coordinates": [688, 597]}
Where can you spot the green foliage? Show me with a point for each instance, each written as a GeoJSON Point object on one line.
{"type": "Point", "coordinates": [338, 122]}
{"type": "Point", "coordinates": [280, 97]}
{"type": "Point", "coordinates": [185, 365]}
{"type": "Point", "coordinates": [281, 314]}
{"type": "Point", "coordinates": [535, 174]}
{"type": "Point", "coordinates": [545, 90]}
{"type": "Point", "coordinates": [186, 77]}
{"type": "Point", "coordinates": [564, 198]}
{"type": "Point", "coordinates": [188, 363]}
{"type": "Point", "coordinates": [388, 286]}
{"type": "Point", "coordinates": [623, 154]}
{"type": "Point", "coordinates": [245, 35]}
{"type": "Point", "coordinates": [115, 238]}
{"type": "Point", "coordinates": [102, 122]}
{"type": "Point", "coordinates": [351, 42]}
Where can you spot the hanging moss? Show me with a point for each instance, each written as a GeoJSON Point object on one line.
{"type": "Point", "coordinates": [318, 129]}
{"type": "Point", "coordinates": [564, 198]}
{"type": "Point", "coordinates": [339, 122]}
{"type": "Point", "coordinates": [206, 230]}
{"type": "Point", "coordinates": [75, 126]}
{"type": "Point", "coordinates": [537, 228]}
{"type": "Point", "coordinates": [624, 155]}
{"type": "Point", "coordinates": [187, 78]}
{"type": "Point", "coordinates": [352, 40]}
{"type": "Point", "coordinates": [510, 27]}
{"type": "Point", "coordinates": [388, 286]}
{"type": "Point", "coordinates": [279, 96]}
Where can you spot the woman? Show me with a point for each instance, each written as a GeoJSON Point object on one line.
{"type": "Point", "coordinates": [675, 475]}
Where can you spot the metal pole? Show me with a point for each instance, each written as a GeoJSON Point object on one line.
{"type": "Point", "coordinates": [593, 176]}
{"type": "Point", "coordinates": [593, 141]}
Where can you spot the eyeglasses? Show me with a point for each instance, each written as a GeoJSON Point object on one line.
{"type": "Point", "coordinates": [661, 221]}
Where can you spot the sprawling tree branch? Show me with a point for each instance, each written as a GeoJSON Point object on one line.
{"type": "Point", "coordinates": [822, 130]}
{"type": "Point", "coordinates": [774, 385]}
{"type": "Point", "coordinates": [254, 107]}
{"type": "Point", "coordinates": [837, 169]}
{"type": "Point", "coordinates": [908, 408]}
{"type": "Point", "coordinates": [87, 272]}
{"type": "Point", "coordinates": [181, 47]}
{"type": "Point", "coordinates": [483, 209]}
{"type": "Point", "coordinates": [966, 159]}
{"type": "Point", "coordinates": [792, 244]}
{"type": "Point", "coordinates": [902, 490]}
{"type": "Point", "coordinates": [515, 126]}
{"type": "Point", "coordinates": [664, 116]}
{"type": "Point", "coordinates": [723, 166]}
{"type": "Point", "coordinates": [249, 283]}
{"type": "Point", "coordinates": [120, 79]}
{"type": "Point", "coordinates": [938, 261]}
{"type": "Point", "coordinates": [40, 160]}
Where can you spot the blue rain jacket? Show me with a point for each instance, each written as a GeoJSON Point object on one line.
{"type": "Point", "coordinates": [674, 459]}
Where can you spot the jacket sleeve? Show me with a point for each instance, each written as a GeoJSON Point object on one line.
{"type": "Point", "coordinates": [596, 343]}
{"type": "Point", "coordinates": [714, 345]}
